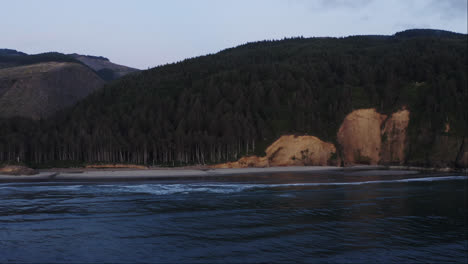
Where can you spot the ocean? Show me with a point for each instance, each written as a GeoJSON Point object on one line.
{"type": "Point", "coordinates": [267, 218]}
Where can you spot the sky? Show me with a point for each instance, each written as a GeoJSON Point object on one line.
{"type": "Point", "coordinates": [148, 33]}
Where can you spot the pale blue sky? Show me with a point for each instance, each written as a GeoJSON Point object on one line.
{"type": "Point", "coordinates": [147, 33]}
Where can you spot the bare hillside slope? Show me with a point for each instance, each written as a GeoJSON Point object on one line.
{"type": "Point", "coordinates": [39, 90]}
{"type": "Point", "coordinates": [106, 69]}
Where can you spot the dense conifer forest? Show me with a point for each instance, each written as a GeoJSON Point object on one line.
{"type": "Point", "coordinates": [219, 107]}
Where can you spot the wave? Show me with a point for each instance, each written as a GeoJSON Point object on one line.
{"type": "Point", "coordinates": [219, 188]}
{"type": "Point", "coordinates": [165, 189]}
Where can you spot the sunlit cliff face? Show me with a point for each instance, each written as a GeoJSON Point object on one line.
{"type": "Point", "coordinates": [365, 137]}
{"type": "Point", "coordinates": [360, 137]}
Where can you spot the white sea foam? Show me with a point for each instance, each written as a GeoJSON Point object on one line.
{"type": "Point", "coordinates": [167, 189]}
{"type": "Point", "coordinates": [220, 188]}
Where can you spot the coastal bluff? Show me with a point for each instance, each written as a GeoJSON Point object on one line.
{"type": "Point", "coordinates": [364, 137]}
{"type": "Point", "coordinates": [368, 137]}
{"type": "Point", "coordinates": [290, 150]}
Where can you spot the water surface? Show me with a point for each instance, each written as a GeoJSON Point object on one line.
{"type": "Point", "coordinates": [263, 218]}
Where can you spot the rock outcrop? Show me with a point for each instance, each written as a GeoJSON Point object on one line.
{"type": "Point", "coordinates": [394, 138]}
{"type": "Point", "coordinates": [365, 137]}
{"type": "Point", "coordinates": [360, 137]}
{"type": "Point", "coordinates": [368, 137]}
{"type": "Point", "coordinates": [290, 150]}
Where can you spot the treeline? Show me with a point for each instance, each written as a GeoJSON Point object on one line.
{"type": "Point", "coordinates": [18, 58]}
{"type": "Point", "coordinates": [13, 58]}
{"type": "Point", "coordinates": [216, 108]}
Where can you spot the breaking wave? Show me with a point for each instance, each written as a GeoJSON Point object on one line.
{"type": "Point", "coordinates": [165, 189]}
{"type": "Point", "coordinates": [188, 188]}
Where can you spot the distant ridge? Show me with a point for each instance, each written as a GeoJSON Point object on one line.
{"type": "Point", "coordinates": [39, 90]}
{"type": "Point", "coordinates": [428, 33]}
{"type": "Point", "coordinates": [11, 52]}
{"type": "Point", "coordinates": [37, 86]}
{"type": "Point", "coordinates": [75, 55]}
{"type": "Point", "coordinates": [105, 69]}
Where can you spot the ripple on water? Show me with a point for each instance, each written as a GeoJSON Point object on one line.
{"type": "Point", "coordinates": [384, 220]}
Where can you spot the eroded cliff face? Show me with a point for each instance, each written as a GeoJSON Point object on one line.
{"type": "Point", "coordinates": [290, 150]}
{"type": "Point", "coordinates": [360, 137]}
{"type": "Point", "coordinates": [365, 137]}
{"type": "Point", "coordinates": [394, 138]}
{"type": "Point", "coordinates": [368, 137]}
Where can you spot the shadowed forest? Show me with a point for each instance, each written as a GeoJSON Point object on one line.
{"type": "Point", "coordinates": [220, 107]}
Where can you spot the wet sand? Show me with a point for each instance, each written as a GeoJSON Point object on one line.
{"type": "Point", "coordinates": [190, 173]}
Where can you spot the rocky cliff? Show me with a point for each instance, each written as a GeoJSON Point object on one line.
{"type": "Point", "coordinates": [364, 137]}
{"type": "Point", "coordinates": [394, 138]}
{"type": "Point", "coordinates": [360, 137]}
{"type": "Point", "coordinates": [293, 150]}
{"type": "Point", "coordinates": [290, 150]}
{"type": "Point", "coordinates": [368, 137]}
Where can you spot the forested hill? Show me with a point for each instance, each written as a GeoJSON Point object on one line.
{"type": "Point", "coordinates": [218, 107]}
{"type": "Point", "coordinates": [105, 69]}
{"type": "Point", "coordinates": [37, 86]}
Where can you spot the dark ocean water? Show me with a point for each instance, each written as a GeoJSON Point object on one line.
{"type": "Point", "coordinates": [267, 218]}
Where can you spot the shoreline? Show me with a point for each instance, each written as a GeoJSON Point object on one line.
{"type": "Point", "coordinates": [153, 174]}
{"type": "Point", "coordinates": [202, 173]}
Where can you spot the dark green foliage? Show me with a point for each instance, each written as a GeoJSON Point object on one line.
{"type": "Point", "coordinates": [106, 74]}
{"type": "Point", "coordinates": [20, 59]}
{"type": "Point", "coordinates": [411, 33]}
{"type": "Point", "coordinates": [11, 52]}
{"type": "Point", "coordinates": [218, 107]}
{"type": "Point", "coordinates": [89, 56]}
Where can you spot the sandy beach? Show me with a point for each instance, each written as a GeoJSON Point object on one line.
{"type": "Point", "coordinates": [191, 173]}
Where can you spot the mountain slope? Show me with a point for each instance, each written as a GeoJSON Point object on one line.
{"type": "Point", "coordinates": [39, 90]}
{"type": "Point", "coordinates": [11, 52]}
{"type": "Point", "coordinates": [220, 107]}
{"type": "Point", "coordinates": [37, 86]}
{"type": "Point", "coordinates": [105, 69]}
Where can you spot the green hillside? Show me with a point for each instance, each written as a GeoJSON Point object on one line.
{"type": "Point", "coordinates": [218, 107]}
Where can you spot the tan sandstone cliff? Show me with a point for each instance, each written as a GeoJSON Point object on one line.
{"type": "Point", "coordinates": [365, 137]}
{"type": "Point", "coordinates": [290, 150]}
{"type": "Point", "coordinates": [360, 137]}
{"type": "Point", "coordinates": [394, 138]}
{"type": "Point", "coordinates": [368, 137]}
